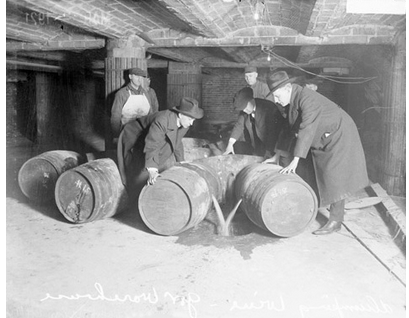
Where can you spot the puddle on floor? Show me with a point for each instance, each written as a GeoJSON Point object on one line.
{"type": "Point", "coordinates": [244, 235]}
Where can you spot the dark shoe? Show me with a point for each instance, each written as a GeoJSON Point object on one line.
{"type": "Point", "coordinates": [330, 227]}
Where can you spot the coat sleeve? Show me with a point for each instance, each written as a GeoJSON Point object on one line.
{"type": "Point", "coordinates": [116, 112]}
{"type": "Point", "coordinates": [274, 124]}
{"type": "Point", "coordinates": [310, 112]}
{"type": "Point", "coordinates": [179, 150]}
{"type": "Point", "coordinates": [154, 102]}
{"type": "Point", "coordinates": [238, 128]}
{"type": "Point", "coordinates": [126, 141]}
{"type": "Point", "coordinates": [154, 141]}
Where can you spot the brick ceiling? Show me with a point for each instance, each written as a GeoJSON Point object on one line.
{"type": "Point", "coordinates": [208, 32]}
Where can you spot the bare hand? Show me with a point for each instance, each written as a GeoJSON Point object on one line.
{"type": "Point", "coordinates": [153, 175]}
{"type": "Point", "coordinates": [229, 149]}
{"type": "Point", "coordinates": [291, 167]}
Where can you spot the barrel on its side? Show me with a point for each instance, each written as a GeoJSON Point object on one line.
{"type": "Point", "coordinates": [180, 198]}
{"type": "Point", "coordinates": [91, 191]}
{"type": "Point", "coordinates": [37, 176]}
{"type": "Point", "coordinates": [279, 203]}
{"type": "Point", "coordinates": [213, 180]}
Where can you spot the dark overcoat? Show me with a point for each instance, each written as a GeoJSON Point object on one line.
{"type": "Point", "coordinates": [268, 123]}
{"type": "Point", "coordinates": [333, 138]}
{"type": "Point", "coordinates": [151, 141]}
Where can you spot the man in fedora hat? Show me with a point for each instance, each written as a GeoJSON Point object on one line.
{"type": "Point", "coordinates": [151, 144]}
{"type": "Point", "coordinates": [131, 101]}
{"type": "Point", "coordinates": [259, 123]}
{"type": "Point", "coordinates": [332, 136]}
{"type": "Point", "coordinates": [260, 89]}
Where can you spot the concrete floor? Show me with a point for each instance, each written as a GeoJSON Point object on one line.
{"type": "Point", "coordinates": [117, 268]}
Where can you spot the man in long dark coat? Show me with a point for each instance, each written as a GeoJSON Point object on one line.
{"type": "Point", "coordinates": [259, 122]}
{"type": "Point", "coordinates": [153, 143]}
{"type": "Point", "coordinates": [333, 138]}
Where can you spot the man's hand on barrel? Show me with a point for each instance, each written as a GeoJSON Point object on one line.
{"type": "Point", "coordinates": [153, 174]}
{"type": "Point", "coordinates": [229, 148]}
{"type": "Point", "coordinates": [291, 167]}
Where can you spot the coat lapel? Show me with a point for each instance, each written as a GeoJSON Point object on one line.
{"type": "Point", "coordinates": [172, 130]}
{"type": "Point", "coordinates": [293, 111]}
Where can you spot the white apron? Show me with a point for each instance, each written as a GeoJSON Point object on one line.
{"type": "Point", "coordinates": [135, 107]}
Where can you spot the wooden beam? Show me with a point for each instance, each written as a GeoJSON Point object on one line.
{"type": "Point", "coordinates": [395, 220]}
{"type": "Point", "coordinates": [378, 250]}
{"type": "Point", "coordinates": [168, 53]}
{"type": "Point", "coordinates": [23, 65]}
{"type": "Point", "coordinates": [156, 63]}
{"type": "Point", "coordinates": [391, 213]}
{"type": "Point", "coordinates": [236, 54]}
{"type": "Point", "coordinates": [175, 39]}
{"type": "Point", "coordinates": [73, 44]}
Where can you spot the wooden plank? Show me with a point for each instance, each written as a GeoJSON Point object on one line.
{"type": "Point", "coordinates": [396, 222]}
{"type": "Point", "coordinates": [381, 252]}
{"type": "Point", "coordinates": [391, 212]}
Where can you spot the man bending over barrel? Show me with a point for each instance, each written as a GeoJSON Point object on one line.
{"type": "Point", "coordinates": [333, 138]}
{"type": "Point", "coordinates": [151, 144]}
{"type": "Point", "coordinates": [259, 122]}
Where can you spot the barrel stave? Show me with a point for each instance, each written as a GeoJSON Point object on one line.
{"type": "Point", "coordinates": [279, 203]}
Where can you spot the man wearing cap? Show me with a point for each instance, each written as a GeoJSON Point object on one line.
{"type": "Point", "coordinates": [332, 136]}
{"type": "Point", "coordinates": [131, 101]}
{"type": "Point", "coordinates": [151, 144]}
{"type": "Point", "coordinates": [259, 122]}
{"type": "Point", "coordinates": [260, 89]}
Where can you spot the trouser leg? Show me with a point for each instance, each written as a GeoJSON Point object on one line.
{"type": "Point", "coordinates": [337, 211]}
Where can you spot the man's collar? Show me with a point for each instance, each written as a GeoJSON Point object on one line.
{"type": "Point", "coordinates": [178, 121]}
{"type": "Point", "coordinates": [135, 90]}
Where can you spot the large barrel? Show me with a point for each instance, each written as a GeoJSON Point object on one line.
{"type": "Point", "coordinates": [279, 203]}
{"type": "Point", "coordinates": [180, 198]}
{"type": "Point", "coordinates": [37, 176]}
{"type": "Point", "coordinates": [91, 191]}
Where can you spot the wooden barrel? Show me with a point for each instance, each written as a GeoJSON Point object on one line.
{"type": "Point", "coordinates": [211, 176]}
{"type": "Point", "coordinates": [179, 200]}
{"type": "Point", "coordinates": [91, 191]}
{"type": "Point", "coordinates": [37, 176]}
{"type": "Point", "coordinates": [279, 203]}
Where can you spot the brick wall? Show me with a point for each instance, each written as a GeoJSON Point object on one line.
{"type": "Point", "coordinates": [218, 89]}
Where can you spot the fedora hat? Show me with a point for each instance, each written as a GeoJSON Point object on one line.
{"type": "Point", "coordinates": [242, 98]}
{"type": "Point", "coordinates": [189, 107]}
{"type": "Point", "coordinates": [279, 79]}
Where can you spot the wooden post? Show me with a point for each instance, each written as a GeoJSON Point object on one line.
{"type": "Point", "coordinates": [43, 109]}
{"type": "Point", "coordinates": [121, 56]}
{"type": "Point", "coordinates": [393, 124]}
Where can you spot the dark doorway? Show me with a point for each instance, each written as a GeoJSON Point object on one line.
{"type": "Point", "coordinates": [159, 84]}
